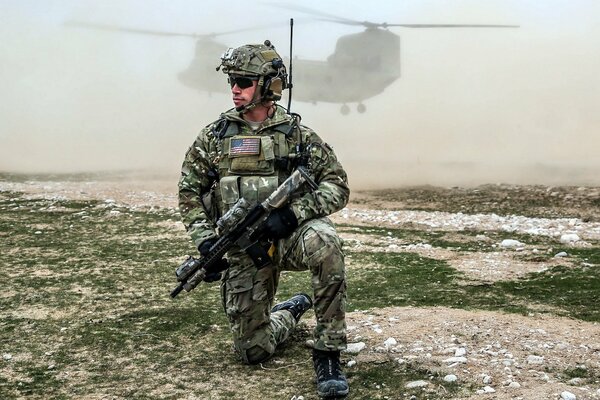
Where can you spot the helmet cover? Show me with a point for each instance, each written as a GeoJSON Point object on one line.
{"type": "Point", "coordinates": [257, 60]}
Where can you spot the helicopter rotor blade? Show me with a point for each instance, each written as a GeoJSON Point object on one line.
{"type": "Point", "coordinates": [310, 11]}
{"type": "Point", "coordinates": [368, 24]}
{"type": "Point", "coordinates": [117, 28]}
{"type": "Point", "coordinates": [385, 25]}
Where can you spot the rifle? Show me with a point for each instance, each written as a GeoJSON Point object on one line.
{"type": "Point", "coordinates": [241, 226]}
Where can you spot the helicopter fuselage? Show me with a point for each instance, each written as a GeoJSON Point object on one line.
{"type": "Point", "coordinates": [362, 66]}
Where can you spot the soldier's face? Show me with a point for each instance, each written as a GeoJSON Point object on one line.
{"type": "Point", "coordinates": [242, 93]}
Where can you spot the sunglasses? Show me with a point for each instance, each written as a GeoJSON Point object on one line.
{"type": "Point", "coordinates": [243, 82]}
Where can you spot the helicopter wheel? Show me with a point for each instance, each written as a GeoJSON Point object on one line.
{"type": "Point", "coordinates": [345, 110]}
{"type": "Point", "coordinates": [361, 108]}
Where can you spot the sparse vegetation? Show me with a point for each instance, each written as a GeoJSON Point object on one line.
{"type": "Point", "coordinates": [407, 279]}
{"type": "Point", "coordinates": [85, 311]}
{"type": "Point", "coordinates": [502, 199]}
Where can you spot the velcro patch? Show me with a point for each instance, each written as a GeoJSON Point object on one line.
{"type": "Point", "coordinates": [246, 146]}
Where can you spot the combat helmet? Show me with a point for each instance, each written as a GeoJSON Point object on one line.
{"type": "Point", "coordinates": [260, 61]}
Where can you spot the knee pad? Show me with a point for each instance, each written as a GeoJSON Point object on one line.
{"type": "Point", "coordinates": [255, 355]}
{"type": "Point", "coordinates": [320, 246]}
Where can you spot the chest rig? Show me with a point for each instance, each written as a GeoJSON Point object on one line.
{"type": "Point", "coordinates": [253, 164]}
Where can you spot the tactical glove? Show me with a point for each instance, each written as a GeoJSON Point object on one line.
{"type": "Point", "coordinates": [281, 223]}
{"type": "Point", "coordinates": [214, 274]}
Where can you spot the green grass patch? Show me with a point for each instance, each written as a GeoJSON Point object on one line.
{"type": "Point", "coordinates": [387, 379]}
{"type": "Point", "coordinates": [576, 372]}
{"type": "Point", "coordinates": [400, 279]}
{"type": "Point", "coordinates": [407, 279]}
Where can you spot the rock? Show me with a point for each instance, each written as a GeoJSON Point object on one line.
{"type": "Point", "coordinates": [487, 379]}
{"type": "Point", "coordinates": [561, 254]}
{"type": "Point", "coordinates": [7, 356]}
{"type": "Point", "coordinates": [355, 348]}
{"type": "Point", "coordinates": [514, 385]}
{"type": "Point", "coordinates": [416, 384]}
{"type": "Point", "coordinates": [351, 363]}
{"type": "Point", "coordinates": [390, 342]}
{"type": "Point", "coordinates": [486, 389]}
{"type": "Point", "coordinates": [460, 352]}
{"type": "Point", "coordinates": [450, 378]}
{"type": "Point", "coordinates": [535, 360]}
{"type": "Point", "coordinates": [511, 244]}
{"type": "Point", "coordinates": [569, 238]}
{"type": "Point", "coordinates": [567, 396]}
{"type": "Point", "coordinates": [456, 360]}
{"type": "Point", "coordinates": [575, 382]}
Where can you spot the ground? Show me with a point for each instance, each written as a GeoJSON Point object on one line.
{"type": "Point", "coordinates": [496, 286]}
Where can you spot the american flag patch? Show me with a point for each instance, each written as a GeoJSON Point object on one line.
{"type": "Point", "coordinates": [247, 146]}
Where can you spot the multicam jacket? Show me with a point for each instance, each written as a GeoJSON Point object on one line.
{"type": "Point", "coordinates": [229, 160]}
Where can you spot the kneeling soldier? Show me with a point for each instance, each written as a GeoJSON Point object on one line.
{"type": "Point", "coordinates": [247, 153]}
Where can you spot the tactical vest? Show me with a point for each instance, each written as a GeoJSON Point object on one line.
{"type": "Point", "coordinates": [252, 166]}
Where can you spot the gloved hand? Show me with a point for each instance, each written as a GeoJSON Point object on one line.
{"type": "Point", "coordinates": [281, 223]}
{"type": "Point", "coordinates": [215, 272]}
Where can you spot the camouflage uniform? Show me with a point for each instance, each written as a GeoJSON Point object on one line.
{"type": "Point", "coordinates": [215, 175]}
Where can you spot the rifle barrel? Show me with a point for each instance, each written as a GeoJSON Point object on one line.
{"type": "Point", "coordinates": [176, 291]}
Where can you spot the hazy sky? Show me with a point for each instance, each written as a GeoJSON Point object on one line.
{"type": "Point", "coordinates": [471, 106]}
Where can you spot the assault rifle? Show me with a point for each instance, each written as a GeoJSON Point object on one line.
{"type": "Point", "coordinates": [242, 226]}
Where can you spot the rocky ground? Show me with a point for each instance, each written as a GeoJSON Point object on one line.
{"type": "Point", "coordinates": [498, 355]}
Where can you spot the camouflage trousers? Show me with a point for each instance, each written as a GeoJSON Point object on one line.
{"type": "Point", "coordinates": [248, 293]}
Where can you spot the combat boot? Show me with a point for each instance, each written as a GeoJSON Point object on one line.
{"type": "Point", "coordinates": [297, 305]}
{"type": "Point", "coordinates": [331, 382]}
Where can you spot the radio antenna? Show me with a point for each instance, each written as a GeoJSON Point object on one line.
{"type": "Point", "coordinates": [290, 84]}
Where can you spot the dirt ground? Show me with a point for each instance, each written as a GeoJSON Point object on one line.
{"type": "Point", "coordinates": [504, 356]}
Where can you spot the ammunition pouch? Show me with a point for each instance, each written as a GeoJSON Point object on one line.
{"type": "Point", "coordinates": [255, 189]}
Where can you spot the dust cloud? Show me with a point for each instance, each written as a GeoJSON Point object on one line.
{"type": "Point", "coordinates": [471, 106]}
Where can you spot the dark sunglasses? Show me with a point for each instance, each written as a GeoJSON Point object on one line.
{"type": "Point", "coordinates": [243, 82]}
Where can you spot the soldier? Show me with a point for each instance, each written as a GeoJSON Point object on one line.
{"type": "Point", "coordinates": [248, 152]}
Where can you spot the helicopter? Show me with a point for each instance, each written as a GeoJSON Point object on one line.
{"type": "Point", "coordinates": [371, 57]}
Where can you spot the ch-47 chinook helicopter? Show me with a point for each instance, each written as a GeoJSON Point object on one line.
{"type": "Point", "coordinates": [371, 57]}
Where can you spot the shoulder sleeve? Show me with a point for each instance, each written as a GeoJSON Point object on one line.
{"type": "Point", "coordinates": [333, 192]}
{"type": "Point", "coordinates": [195, 181]}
